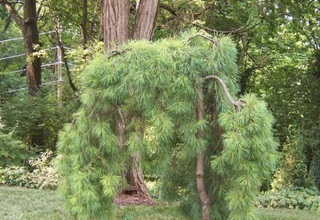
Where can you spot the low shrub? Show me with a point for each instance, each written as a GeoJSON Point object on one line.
{"type": "Point", "coordinates": [43, 176]}
{"type": "Point", "coordinates": [291, 198]}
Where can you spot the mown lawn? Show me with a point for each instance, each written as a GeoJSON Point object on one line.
{"type": "Point", "coordinates": [19, 203]}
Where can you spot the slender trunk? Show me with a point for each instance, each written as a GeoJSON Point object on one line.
{"type": "Point", "coordinates": [145, 19]}
{"type": "Point", "coordinates": [31, 39]}
{"type": "Point", "coordinates": [83, 25]}
{"type": "Point", "coordinates": [65, 61]}
{"type": "Point", "coordinates": [115, 22]}
{"type": "Point", "coordinates": [200, 168]}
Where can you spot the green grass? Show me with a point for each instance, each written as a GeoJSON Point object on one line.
{"type": "Point", "coordinates": [20, 203]}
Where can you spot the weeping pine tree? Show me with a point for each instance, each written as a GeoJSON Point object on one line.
{"type": "Point", "coordinates": [173, 99]}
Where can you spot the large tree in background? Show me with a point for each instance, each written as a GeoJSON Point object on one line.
{"type": "Point", "coordinates": [30, 33]}
{"type": "Point", "coordinates": [116, 15]}
{"type": "Point", "coordinates": [29, 29]}
{"type": "Point", "coordinates": [116, 29]}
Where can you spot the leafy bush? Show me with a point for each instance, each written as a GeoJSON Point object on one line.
{"type": "Point", "coordinates": [14, 176]}
{"type": "Point", "coordinates": [36, 120]}
{"type": "Point", "coordinates": [293, 171]}
{"type": "Point", "coordinates": [43, 175]}
{"type": "Point", "coordinates": [11, 150]}
{"type": "Point", "coordinates": [292, 198]}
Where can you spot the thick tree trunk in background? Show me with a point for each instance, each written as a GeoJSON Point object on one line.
{"type": "Point", "coordinates": [115, 22]}
{"type": "Point", "coordinates": [28, 26]}
{"type": "Point", "coordinates": [31, 38]}
{"type": "Point", "coordinates": [33, 66]}
{"type": "Point", "coordinates": [145, 19]}
{"type": "Point", "coordinates": [200, 166]}
{"type": "Point", "coordinates": [29, 29]}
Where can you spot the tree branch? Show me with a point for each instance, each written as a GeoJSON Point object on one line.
{"type": "Point", "coordinates": [209, 38]}
{"type": "Point", "coordinates": [238, 104]}
{"type": "Point", "coordinates": [236, 31]}
{"type": "Point", "coordinates": [12, 12]}
{"type": "Point", "coordinates": [169, 9]}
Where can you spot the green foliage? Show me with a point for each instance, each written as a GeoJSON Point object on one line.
{"type": "Point", "coordinates": [293, 169]}
{"type": "Point", "coordinates": [42, 176]}
{"type": "Point", "coordinates": [12, 151]}
{"type": "Point", "coordinates": [316, 169]}
{"type": "Point", "coordinates": [80, 58]}
{"type": "Point", "coordinates": [36, 120]}
{"type": "Point", "coordinates": [248, 157]}
{"type": "Point", "coordinates": [291, 198]}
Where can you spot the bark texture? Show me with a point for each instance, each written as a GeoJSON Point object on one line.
{"type": "Point", "coordinates": [28, 26]}
{"type": "Point", "coordinates": [116, 32]}
{"type": "Point", "coordinates": [31, 39]}
{"type": "Point", "coordinates": [145, 19]}
{"type": "Point", "coordinates": [115, 22]}
{"type": "Point", "coordinates": [136, 177]}
{"type": "Point", "coordinates": [83, 25]}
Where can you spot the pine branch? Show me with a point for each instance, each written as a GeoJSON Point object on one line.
{"type": "Point", "coordinates": [238, 104]}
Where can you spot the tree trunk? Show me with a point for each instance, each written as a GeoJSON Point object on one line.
{"type": "Point", "coordinates": [145, 19]}
{"type": "Point", "coordinates": [135, 176]}
{"type": "Point", "coordinates": [115, 22]}
{"type": "Point", "coordinates": [116, 32]}
{"type": "Point", "coordinates": [29, 29]}
{"type": "Point", "coordinates": [31, 39]}
{"type": "Point", "coordinates": [83, 25]}
{"type": "Point", "coordinates": [143, 29]}
{"type": "Point", "coordinates": [200, 169]}
{"type": "Point", "coordinates": [28, 26]}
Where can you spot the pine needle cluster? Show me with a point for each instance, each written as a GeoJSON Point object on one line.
{"type": "Point", "coordinates": [248, 157]}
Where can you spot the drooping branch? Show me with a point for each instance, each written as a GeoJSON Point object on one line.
{"type": "Point", "coordinates": [237, 103]}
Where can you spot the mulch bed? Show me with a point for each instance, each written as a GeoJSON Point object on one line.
{"type": "Point", "coordinates": [135, 199]}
